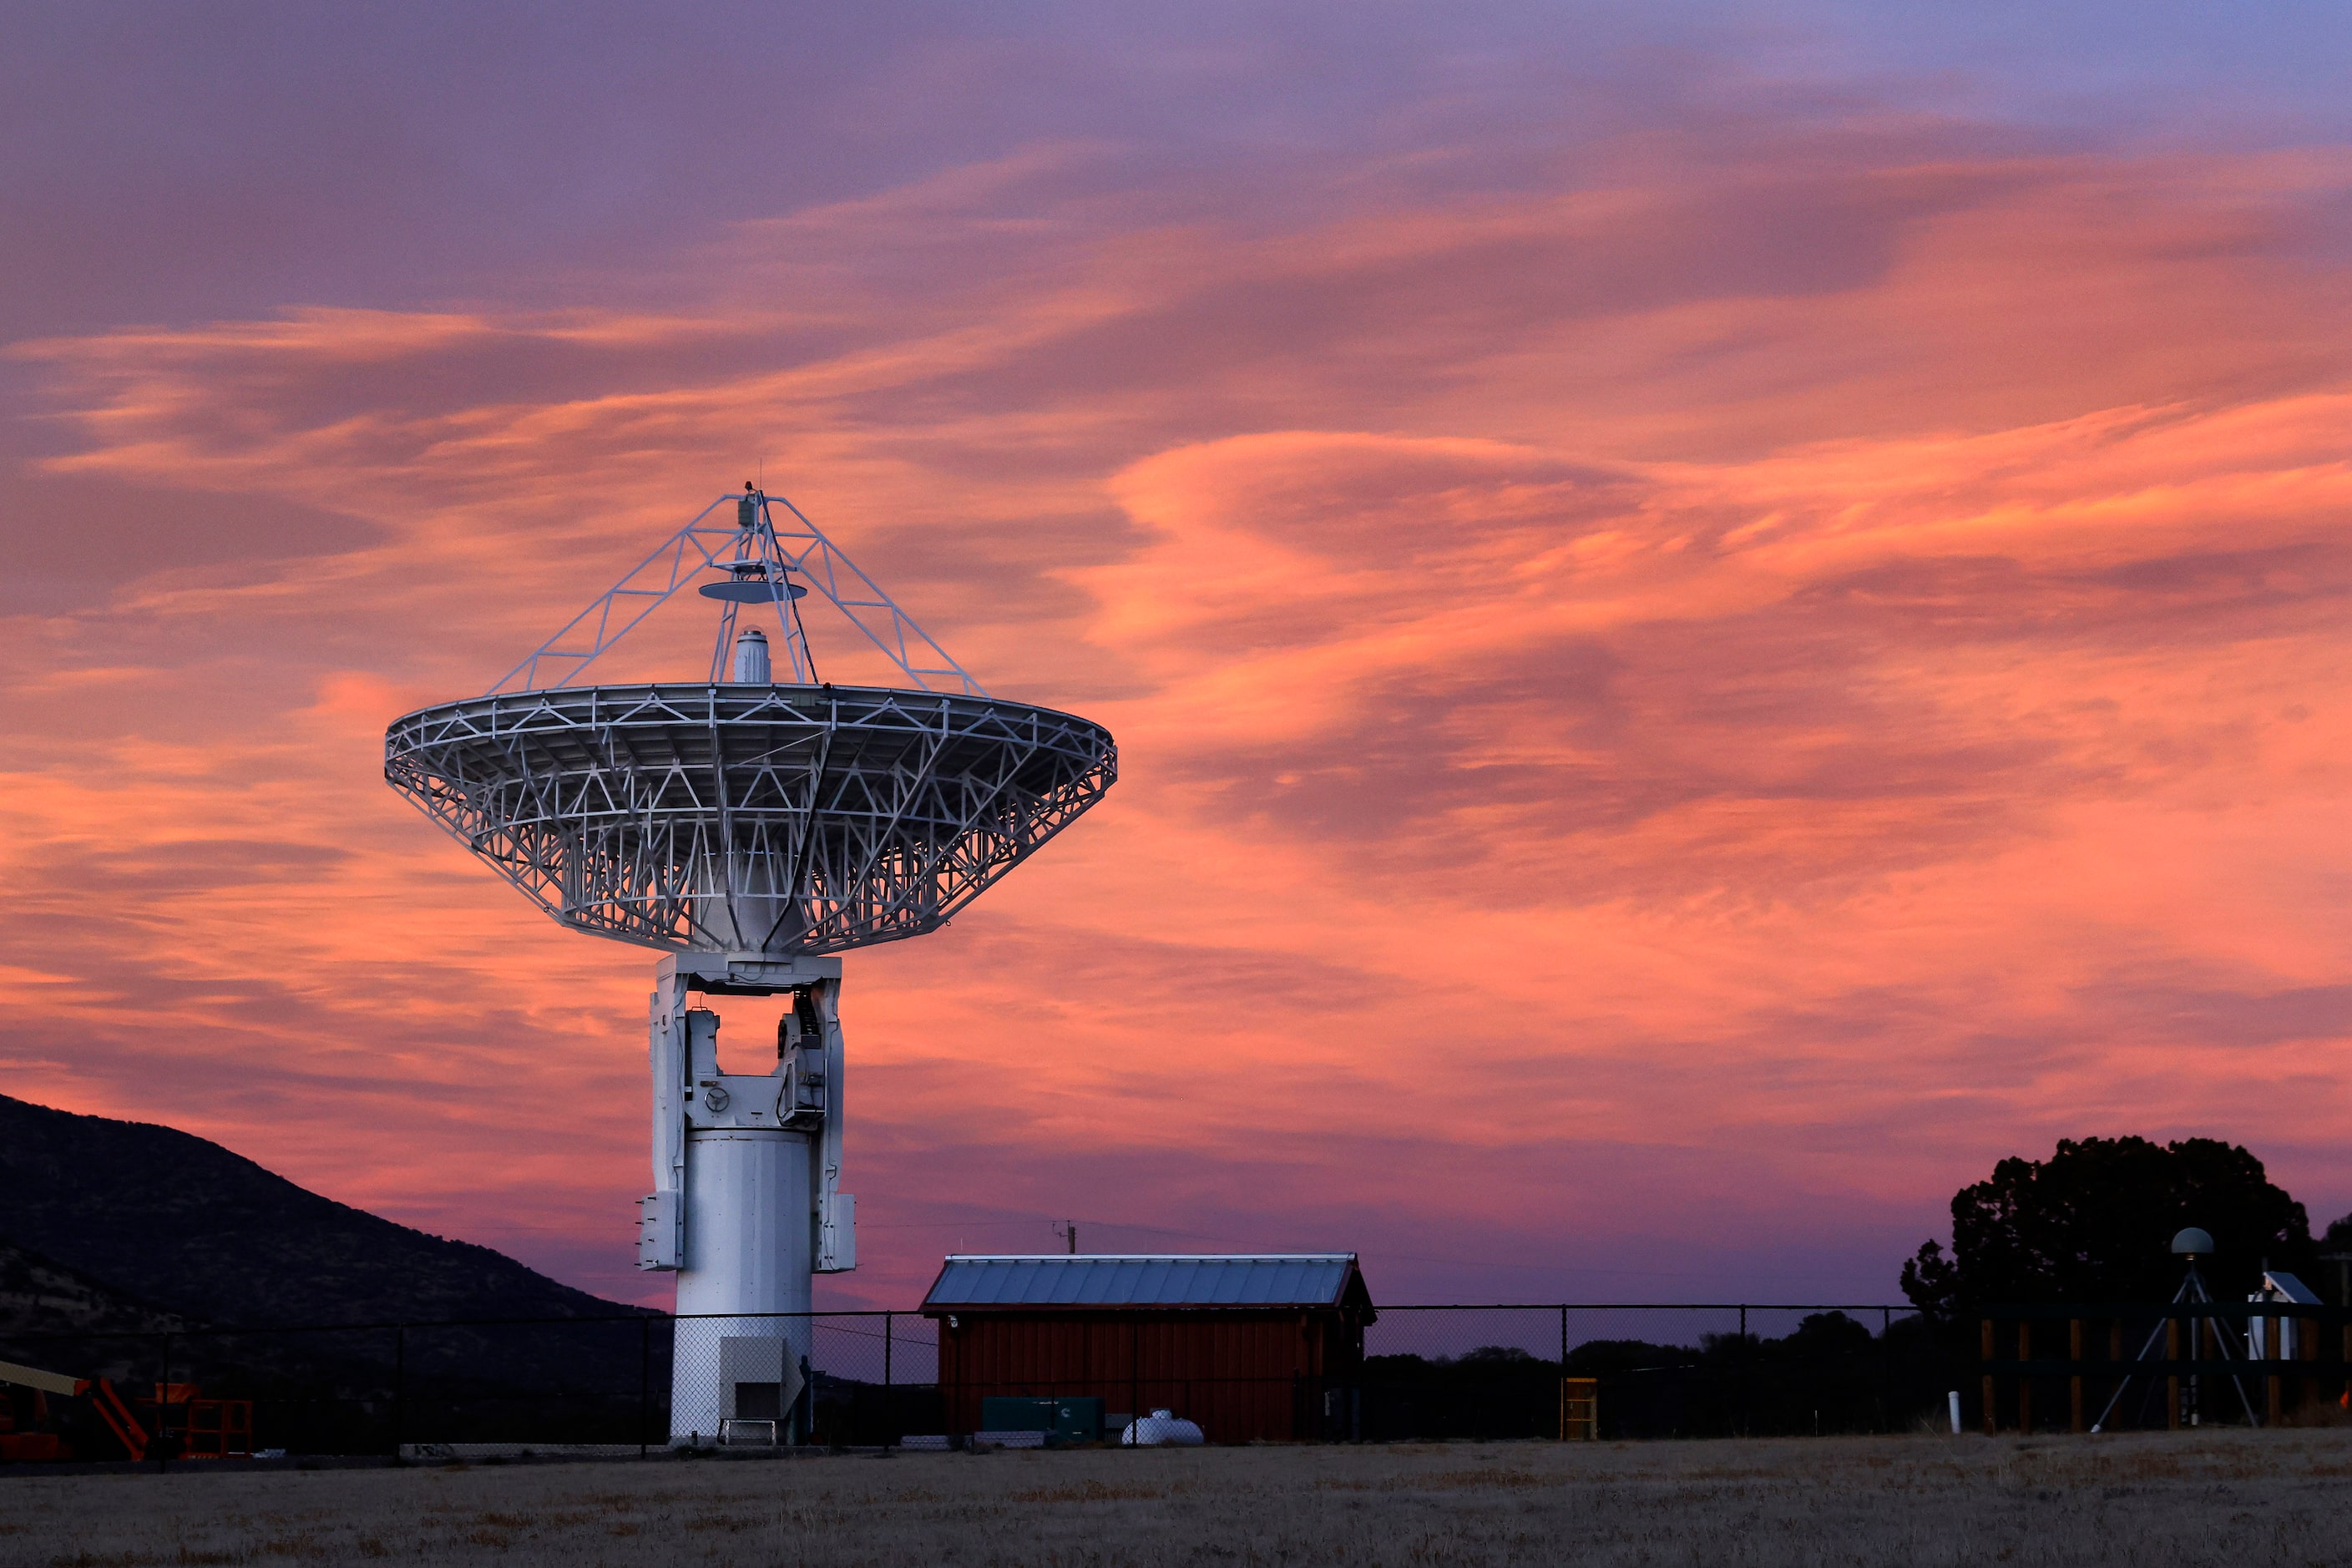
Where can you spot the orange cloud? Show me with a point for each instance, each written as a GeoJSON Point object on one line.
{"type": "Point", "coordinates": [1709, 697]}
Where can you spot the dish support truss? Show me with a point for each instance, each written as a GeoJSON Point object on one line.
{"type": "Point", "coordinates": [736, 533]}
{"type": "Point", "coordinates": [769, 820]}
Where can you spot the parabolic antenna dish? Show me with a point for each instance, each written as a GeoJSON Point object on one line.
{"type": "Point", "coordinates": [750, 819]}
{"type": "Point", "coordinates": [735, 815]}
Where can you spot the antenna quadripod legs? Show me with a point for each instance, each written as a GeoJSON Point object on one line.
{"type": "Point", "coordinates": [746, 1205]}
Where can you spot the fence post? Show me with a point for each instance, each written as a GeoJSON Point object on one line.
{"type": "Point", "coordinates": [645, 1383]}
{"type": "Point", "coordinates": [1886, 1369]}
{"type": "Point", "coordinates": [1563, 1373]}
{"type": "Point", "coordinates": [889, 1396]}
{"type": "Point", "coordinates": [2074, 1378]}
{"type": "Point", "coordinates": [2114, 1355]}
{"type": "Point", "coordinates": [2306, 1349]}
{"type": "Point", "coordinates": [1747, 1396]}
{"type": "Point", "coordinates": [2172, 1375]}
{"type": "Point", "coordinates": [399, 1383]}
{"type": "Point", "coordinates": [2274, 1404]}
{"type": "Point", "coordinates": [1991, 1391]}
{"type": "Point", "coordinates": [2025, 1379]}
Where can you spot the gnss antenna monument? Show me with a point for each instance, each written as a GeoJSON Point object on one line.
{"type": "Point", "coordinates": [2190, 1244]}
{"type": "Point", "coordinates": [752, 827]}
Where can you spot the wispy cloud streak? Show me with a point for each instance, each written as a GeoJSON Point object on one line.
{"type": "Point", "coordinates": [1701, 692]}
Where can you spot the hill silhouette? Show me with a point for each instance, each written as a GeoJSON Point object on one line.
{"type": "Point", "coordinates": [152, 1218]}
{"type": "Point", "coordinates": [129, 1250]}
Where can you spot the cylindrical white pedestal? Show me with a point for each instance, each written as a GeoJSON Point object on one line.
{"type": "Point", "coordinates": [749, 1248]}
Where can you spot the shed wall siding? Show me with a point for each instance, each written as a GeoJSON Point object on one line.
{"type": "Point", "coordinates": [1242, 1375]}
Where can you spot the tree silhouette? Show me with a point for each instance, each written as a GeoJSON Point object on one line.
{"type": "Point", "coordinates": [2094, 1222]}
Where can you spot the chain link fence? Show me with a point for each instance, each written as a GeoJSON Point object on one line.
{"type": "Point", "coordinates": [870, 1379]}
{"type": "Point", "coordinates": [1656, 1371]}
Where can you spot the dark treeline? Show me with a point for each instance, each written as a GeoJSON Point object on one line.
{"type": "Point", "coordinates": [1830, 1375]}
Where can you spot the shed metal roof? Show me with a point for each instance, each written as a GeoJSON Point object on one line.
{"type": "Point", "coordinates": [1054, 1279]}
{"type": "Point", "coordinates": [2280, 1286]}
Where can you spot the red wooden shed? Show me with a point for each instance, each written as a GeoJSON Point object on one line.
{"type": "Point", "coordinates": [1252, 1347]}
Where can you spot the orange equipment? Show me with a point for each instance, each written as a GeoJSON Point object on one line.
{"type": "Point", "coordinates": [33, 1445]}
{"type": "Point", "coordinates": [204, 1428]}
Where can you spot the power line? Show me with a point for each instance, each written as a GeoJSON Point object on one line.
{"type": "Point", "coordinates": [1384, 1253]}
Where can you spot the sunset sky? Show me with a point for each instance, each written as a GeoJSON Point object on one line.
{"type": "Point", "coordinates": [1717, 615]}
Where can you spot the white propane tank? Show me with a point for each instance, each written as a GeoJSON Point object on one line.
{"type": "Point", "coordinates": [752, 658]}
{"type": "Point", "coordinates": [1161, 1429]}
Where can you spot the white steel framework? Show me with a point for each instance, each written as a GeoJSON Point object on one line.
{"type": "Point", "coordinates": [740, 535]}
{"type": "Point", "coordinates": [737, 815]}
{"type": "Point", "coordinates": [749, 818]}
{"type": "Point", "coordinates": [751, 828]}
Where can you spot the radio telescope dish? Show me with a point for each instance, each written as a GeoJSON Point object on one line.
{"type": "Point", "coordinates": [733, 817]}
{"type": "Point", "coordinates": [754, 828]}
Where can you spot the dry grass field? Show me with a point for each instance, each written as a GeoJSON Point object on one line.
{"type": "Point", "coordinates": [2271, 1497]}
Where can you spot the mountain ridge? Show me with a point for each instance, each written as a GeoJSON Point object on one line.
{"type": "Point", "coordinates": [144, 1219]}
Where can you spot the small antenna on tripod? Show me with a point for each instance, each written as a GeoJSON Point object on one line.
{"type": "Point", "coordinates": [2191, 1244]}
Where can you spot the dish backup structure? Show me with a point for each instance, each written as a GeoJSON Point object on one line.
{"type": "Point", "coordinates": [752, 829]}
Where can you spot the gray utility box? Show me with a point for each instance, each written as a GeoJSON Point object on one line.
{"type": "Point", "coordinates": [759, 1378]}
{"type": "Point", "coordinates": [1078, 1420]}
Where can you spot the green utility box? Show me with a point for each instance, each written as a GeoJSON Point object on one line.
{"type": "Point", "coordinates": [1062, 1420]}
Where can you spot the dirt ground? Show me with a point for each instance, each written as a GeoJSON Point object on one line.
{"type": "Point", "coordinates": [2277, 1497]}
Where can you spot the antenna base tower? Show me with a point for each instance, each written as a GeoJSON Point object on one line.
{"type": "Point", "coordinates": [746, 1205]}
